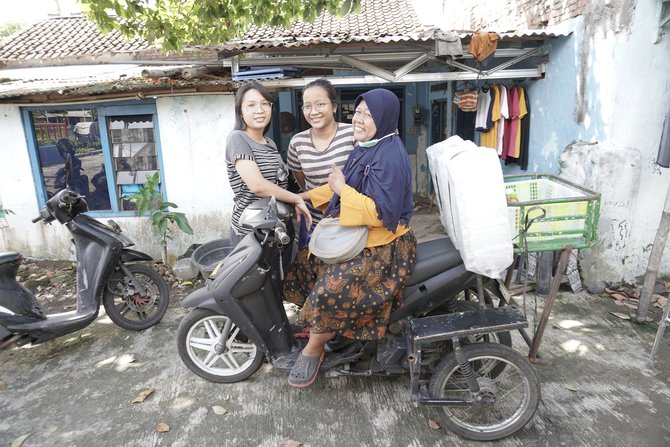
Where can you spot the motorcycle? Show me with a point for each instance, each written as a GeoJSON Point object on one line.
{"type": "Point", "coordinates": [456, 353]}
{"type": "Point", "coordinates": [135, 296]}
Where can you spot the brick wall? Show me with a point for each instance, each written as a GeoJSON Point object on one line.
{"type": "Point", "coordinates": [504, 15]}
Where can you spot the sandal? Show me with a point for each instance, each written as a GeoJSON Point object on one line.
{"type": "Point", "coordinates": [305, 370]}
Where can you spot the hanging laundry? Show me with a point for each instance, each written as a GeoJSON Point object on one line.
{"type": "Point", "coordinates": [468, 101]}
{"type": "Point", "coordinates": [518, 154]}
{"type": "Point", "coordinates": [483, 106]}
{"type": "Point", "coordinates": [511, 124]}
{"type": "Point", "coordinates": [522, 113]}
{"type": "Point", "coordinates": [490, 138]}
{"type": "Point", "coordinates": [504, 113]}
{"type": "Point", "coordinates": [483, 45]}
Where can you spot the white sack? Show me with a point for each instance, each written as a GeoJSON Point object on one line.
{"type": "Point", "coordinates": [473, 207]}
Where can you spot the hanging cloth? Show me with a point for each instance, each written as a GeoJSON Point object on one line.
{"type": "Point", "coordinates": [483, 45]}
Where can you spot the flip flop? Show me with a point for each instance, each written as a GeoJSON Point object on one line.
{"type": "Point", "coordinates": [305, 370]}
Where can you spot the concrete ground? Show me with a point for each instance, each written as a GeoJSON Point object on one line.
{"type": "Point", "coordinates": [597, 390]}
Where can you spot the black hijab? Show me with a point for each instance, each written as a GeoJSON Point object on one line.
{"type": "Point", "coordinates": [381, 172]}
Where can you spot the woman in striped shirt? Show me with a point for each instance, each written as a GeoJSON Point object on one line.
{"type": "Point", "coordinates": [312, 152]}
{"type": "Point", "coordinates": [255, 169]}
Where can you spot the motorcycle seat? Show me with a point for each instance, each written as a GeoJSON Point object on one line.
{"type": "Point", "coordinates": [433, 257]}
{"type": "Point", "coordinates": [9, 256]}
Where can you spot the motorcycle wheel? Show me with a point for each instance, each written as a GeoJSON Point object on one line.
{"type": "Point", "coordinates": [130, 309]}
{"type": "Point", "coordinates": [197, 338]}
{"type": "Point", "coordinates": [515, 392]}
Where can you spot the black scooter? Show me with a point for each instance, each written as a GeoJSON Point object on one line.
{"type": "Point", "coordinates": [456, 353]}
{"type": "Point", "coordinates": [135, 296]}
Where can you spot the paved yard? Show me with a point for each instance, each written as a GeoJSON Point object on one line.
{"type": "Point", "coordinates": [77, 391]}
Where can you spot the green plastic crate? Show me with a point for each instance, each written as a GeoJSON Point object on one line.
{"type": "Point", "coordinates": [572, 212]}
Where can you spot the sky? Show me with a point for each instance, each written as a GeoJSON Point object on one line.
{"type": "Point", "coordinates": [28, 11]}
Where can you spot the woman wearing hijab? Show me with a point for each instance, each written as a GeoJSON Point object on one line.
{"type": "Point", "coordinates": [355, 298]}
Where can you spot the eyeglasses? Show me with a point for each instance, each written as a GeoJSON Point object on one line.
{"type": "Point", "coordinates": [365, 116]}
{"type": "Point", "coordinates": [318, 107]}
{"type": "Point", "coordinates": [253, 107]}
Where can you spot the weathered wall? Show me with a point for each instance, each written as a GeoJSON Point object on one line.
{"type": "Point", "coordinates": [193, 131]}
{"type": "Point", "coordinates": [607, 84]}
{"type": "Point", "coordinates": [499, 15]}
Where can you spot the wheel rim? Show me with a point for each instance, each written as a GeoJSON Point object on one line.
{"type": "Point", "coordinates": [511, 389]}
{"type": "Point", "coordinates": [132, 305]}
{"type": "Point", "coordinates": [201, 341]}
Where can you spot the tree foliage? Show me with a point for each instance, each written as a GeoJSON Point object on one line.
{"type": "Point", "coordinates": [7, 29]}
{"type": "Point", "coordinates": [173, 24]}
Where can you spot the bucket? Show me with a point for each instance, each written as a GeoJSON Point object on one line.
{"type": "Point", "coordinates": [208, 255]}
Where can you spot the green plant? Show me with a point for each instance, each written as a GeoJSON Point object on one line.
{"type": "Point", "coordinates": [150, 200]}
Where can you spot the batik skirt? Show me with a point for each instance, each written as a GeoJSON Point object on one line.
{"type": "Point", "coordinates": [354, 298]}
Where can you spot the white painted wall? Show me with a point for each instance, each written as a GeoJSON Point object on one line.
{"type": "Point", "coordinates": [193, 131]}
{"type": "Point", "coordinates": [625, 76]}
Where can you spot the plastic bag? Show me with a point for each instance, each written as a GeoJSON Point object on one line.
{"type": "Point", "coordinates": [472, 202]}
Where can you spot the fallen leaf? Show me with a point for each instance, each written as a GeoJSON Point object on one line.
{"type": "Point", "coordinates": [621, 315]}
{"type": "Point", "coordinates": [187, 283]}
{"type": "Point", "coordinates": [618, 296]}
{"type": "Point", "coordinates": [570, 386]}
{"type": "Point", "coordinates": [662, 301]}
{"type": "Point", "coordinates": [217, 409]}
{"type": "Point", "coordinates": [648, 319]}
{"type": "Point", "coordinates": [143, 395]}
{"type": "Point", "coordinates": [18, 442]}
{"type": "Point", "coordinates": [433, 424]}
{"type": "Point", "coordinates": [610, 291]}
{"type": "Point", "coordinates": [630, 306]}
{"type": "Point", "coordinates": [291, 443]}
{"type": "Point", "coordinates": [227, 399]}
{"type": "Point", "coordinates": [2, 385]}
{"type": "Point", "coordinates": [618, 303]}
{"type": "Point", "coordinates": [162, 427]}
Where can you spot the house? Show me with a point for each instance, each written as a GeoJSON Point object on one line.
{"type": "Point", "coordinates": [155, 112]}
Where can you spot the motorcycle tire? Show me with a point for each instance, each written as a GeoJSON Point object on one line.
{"type": "Point", "coordinates": [197, 338]}
{"type": "Point", "coordinates": [516, 393]}
{"type": "Point", "coordinates": [133, 310]}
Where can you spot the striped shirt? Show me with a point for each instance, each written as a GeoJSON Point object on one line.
{"type": "Point", "coordinates": [315, 164]}
{"type": "Point", "coordinates": [240, 146]}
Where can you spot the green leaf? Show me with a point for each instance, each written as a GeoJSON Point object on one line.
{"type": "Point", "coordinates": [182, 223]}
{"type": "Point", "coordinates": [164, 205]}
{"type": "Point", "coordinates": [162, 227]}
{"type": "Point", "coordinates": [174, 24]}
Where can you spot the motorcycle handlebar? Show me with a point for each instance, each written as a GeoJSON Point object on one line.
{"type": "Point", "coordinates": [281, 236]}
{"type": "Point", "coordinates": [37, 219]}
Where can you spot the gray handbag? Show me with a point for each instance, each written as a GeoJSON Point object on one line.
{"type": "Point", "coordinates": [334, 243]}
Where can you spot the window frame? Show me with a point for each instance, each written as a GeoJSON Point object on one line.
{"type": "Point", "coordinates": [104, 110]}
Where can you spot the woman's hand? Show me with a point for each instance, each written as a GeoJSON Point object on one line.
{"type": "Point", "coordinates": [336, 180]}
{"type": "Point", "coordinates": [302, 212]}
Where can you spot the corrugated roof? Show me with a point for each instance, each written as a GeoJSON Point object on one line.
{"type": "Point", "coordinates": [90, 80]}
{"type": "Point", "coordinates": [380, 21]}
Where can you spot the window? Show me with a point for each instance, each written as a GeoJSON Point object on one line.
{"type": "Point", "coordinates": [111, 150]}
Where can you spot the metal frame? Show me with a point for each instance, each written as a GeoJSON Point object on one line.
{"type": "Point", "coordinates": [370, 64]}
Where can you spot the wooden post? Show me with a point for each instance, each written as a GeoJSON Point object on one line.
{"type": "Point", "coordinates": [555, 284]}
{"type": "Point", "coordinates": [654, 262]}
